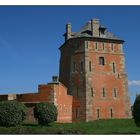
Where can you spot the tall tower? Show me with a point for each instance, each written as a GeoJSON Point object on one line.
{"type": "Point", "coordinates": [92, 67]}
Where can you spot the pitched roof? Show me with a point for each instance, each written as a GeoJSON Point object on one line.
{"type": "Point", "coordinates": [85, 31]}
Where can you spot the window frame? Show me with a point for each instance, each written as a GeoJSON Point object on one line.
{"type": "Point", "coordinates": [103, 92]}
{"type": "Point", "coordinates": [111, 113]}
{"type": "Point", "coordinates": [103, 45]}
{"type": "Point", "coordinates": [96, 45]}
{"type": "Point", "coordinates": [92, 92]}
{"type": "Point", "coordinates": [115, 92]}
{"type": "Point", "coordinates": [112, 46]}
{"type": "Point", "coordinates": [90, 66]}
{"type": "Point", "coordinates": [113, 67]}
{"type": "Point", "coordinates": [101, 61]}
{"type": "Point", "coordinates": [98, 113]}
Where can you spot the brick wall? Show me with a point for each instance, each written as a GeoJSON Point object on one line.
{"type": "Point", "coordinates": [45, 94]}
{"type": "Point", "coordinates": [110, 76]}
{"type": "Point", "coordinates": [102, 76]}
{"type": "Point", "coordinates": [63, 103]}
{"type": "Point", "coordinates": [53, 93]}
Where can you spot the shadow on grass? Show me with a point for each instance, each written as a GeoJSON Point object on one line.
{"type": "Point", "coordinates": [32, 125]}
{"type": "Point", "coordinates": [36, 125]}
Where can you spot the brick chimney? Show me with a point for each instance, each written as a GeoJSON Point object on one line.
{"type": "Point", "coordinates": [95, 27]}
{"type": "Point", "coordinates": [68, 31]}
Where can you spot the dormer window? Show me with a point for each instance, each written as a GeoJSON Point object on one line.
{"type": "Point", "coordinates": [102, 31]}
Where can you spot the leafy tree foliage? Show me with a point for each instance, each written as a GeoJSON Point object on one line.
{"type": "Point", "coordinates": [136, 110]}
{"type": "Point", "coordinates": [45, 113]}
{"type": "Point", "coordinates": [11, 113]}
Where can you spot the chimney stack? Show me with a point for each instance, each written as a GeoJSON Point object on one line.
{"type": "Point", "coordinates": [68, 31]}
{"type": "Point", "coordinates": [55, 79]}
{"type": "Point", "coordinates": [95, 27]}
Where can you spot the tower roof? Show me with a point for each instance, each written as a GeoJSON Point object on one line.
{"type": "Point", "coordinates": [86, 31]}
{"type": "Point", "coordinates": [92, 30]}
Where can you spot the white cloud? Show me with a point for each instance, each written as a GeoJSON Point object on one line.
{"type": "Point", "coordinates": [134, 83]}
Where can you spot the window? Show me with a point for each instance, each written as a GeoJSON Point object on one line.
{"type": "Point", "coordinates": [90, 66]}
{"type": "Point", "coordinates": [86, 44]}
{"type": "Point", "coordinates": [77, 92]}
{"type": "Point", "coordinates": [101, 61]}
{"type": "Point", "coordinates": [118, 76]}
{"type": "Point", "coordinates": [103, 92]}
{"type": "Point", "coordinates": [74, 67]}
{"type": "Point", "coordinates": [98, 113]}
{"type": "Point", "coordinates": [102, 32]}
{"type": "Point", "coordinates": [103, 46]}
{"type": "Point", "coordinates": [113, 67]}
{"type": "Point", "coordinates": [112, 46]}
{"type": "Point", "coordinates": [81, 66]}
{"type": "Point", "coordinates": [111, 113]}
{"type": "Point", "coordinates": [96, 46]}
{"type": "Point", "coordinates": [114, 92]}
{"type": "Point", "coordinates": [92, 93]}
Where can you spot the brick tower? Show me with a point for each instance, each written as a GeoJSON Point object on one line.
{"type": "Point", "coordinates": [92, 67]}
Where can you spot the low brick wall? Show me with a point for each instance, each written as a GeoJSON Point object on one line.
{"type": "Point", "coordinates": [53, 93]}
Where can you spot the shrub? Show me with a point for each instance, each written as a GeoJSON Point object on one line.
{"type": "Point", "coordinates": [136, 110]}
{"type": "Point", "coordinates": [11, 113]}
{"type": "Point", "coordinates": [45, 113]}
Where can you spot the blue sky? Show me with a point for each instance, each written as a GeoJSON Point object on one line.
{"type": "Point", "coordinates": [30, 38]}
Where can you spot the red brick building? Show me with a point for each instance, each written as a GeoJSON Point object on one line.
{"type": "Point", "coordinates": [92, 79]}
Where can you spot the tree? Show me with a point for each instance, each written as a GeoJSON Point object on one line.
{"type": "Point", "coordinates": [12, 113]}
{"type": "Point", "coordinates": [45, 113]}
{"type": "Point", "coordinates": [136, 110]}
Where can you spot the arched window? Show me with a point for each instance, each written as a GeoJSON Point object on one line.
{"type": "Point", "coordinates": [101, 61]}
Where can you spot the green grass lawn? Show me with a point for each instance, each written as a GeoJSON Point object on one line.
{"type": "Point", "coordinates": [116, 126]}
